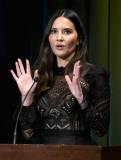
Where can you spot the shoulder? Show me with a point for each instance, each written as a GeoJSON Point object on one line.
{"type": "Point", "coordinates": [95, 70]}
{"type": "Point", "coordinates": [97, 75]}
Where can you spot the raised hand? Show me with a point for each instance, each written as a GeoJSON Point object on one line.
{"type": "Point", "coordinates": [24, 78]}
{"type": "Point", "coordinates": [74, 83]}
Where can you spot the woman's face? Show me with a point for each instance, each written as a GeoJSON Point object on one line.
{"type": "Point", "coordinates": [63, 38]}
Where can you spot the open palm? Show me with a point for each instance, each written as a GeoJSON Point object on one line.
{"type": "Point", "coordinates": [74, 83]}
{"type": "Point", "coordinates": [23, 77]}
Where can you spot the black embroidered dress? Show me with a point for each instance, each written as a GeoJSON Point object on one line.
{"type": "Point", "coordinates": [55, 117]}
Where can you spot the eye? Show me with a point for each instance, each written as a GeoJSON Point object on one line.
{"type": "Point", "coordinates": [67, 31]}
{"type": "Point", "coordinates": [53, 31]}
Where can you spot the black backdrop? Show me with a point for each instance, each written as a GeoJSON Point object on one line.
{"type": "Point", "coordinates": [21, 27]}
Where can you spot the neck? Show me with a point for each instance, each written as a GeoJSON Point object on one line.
{"type": "Point", "coordinates": [63, 62]}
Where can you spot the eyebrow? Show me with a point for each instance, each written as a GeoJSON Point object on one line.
{"type": "Point", "coordinates": [62, 28]}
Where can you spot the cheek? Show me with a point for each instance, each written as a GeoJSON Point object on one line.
{"type": "Point", "coordinates": [52, 39]}
{"type": "Point", "coordinates": [72, 43]}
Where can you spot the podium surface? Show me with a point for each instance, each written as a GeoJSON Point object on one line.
{"type": "Point", "coordinates": [58, 152]}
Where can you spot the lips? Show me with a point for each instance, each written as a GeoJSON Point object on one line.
{"type": "Point", "coordinates": [60, 46]}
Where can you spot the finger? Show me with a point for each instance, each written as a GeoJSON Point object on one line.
{"type": "Point", "coordinates": [76, 71]}
{"type": "Point", "coordinates": [28, 70]}
{"type": "Point", "coordinates": [68, 80]}
{"type": "Point", "coordinates": [14, 75]}
{"type": "Point", "coordinates": [21, 66]}
{"type": "Point", "coordinates": [18, 69]}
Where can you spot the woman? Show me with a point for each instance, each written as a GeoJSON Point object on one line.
{"type": "Point", "coordinates": [70, 97]}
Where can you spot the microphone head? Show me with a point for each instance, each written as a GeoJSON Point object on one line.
{"type": "Point", "coordinates": [36, 79]}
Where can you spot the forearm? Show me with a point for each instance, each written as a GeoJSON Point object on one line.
{"type": "Point", "coordinates": [27, 119]}
{"type": "Point", "coordinates": [27, 116]}
{"type": "Point", "coordinates": [98, 117]}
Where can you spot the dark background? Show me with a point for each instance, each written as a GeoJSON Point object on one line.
{"type": "Point", "coordinates": [21, 27]}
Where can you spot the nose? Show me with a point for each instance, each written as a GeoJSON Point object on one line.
{"type": "Point", "coordinates": [59, 36]}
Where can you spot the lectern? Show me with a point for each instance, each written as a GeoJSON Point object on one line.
{"type": "Point", "coordinates": [58, 152]}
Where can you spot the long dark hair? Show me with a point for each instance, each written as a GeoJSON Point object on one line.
{"type": "Point", "coordinates": [46, 60]}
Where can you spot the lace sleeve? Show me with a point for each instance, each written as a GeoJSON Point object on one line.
{"type": "Point", "coordinates": [27, 119]}
{"type": "Point", "coordinates": [98, 112]}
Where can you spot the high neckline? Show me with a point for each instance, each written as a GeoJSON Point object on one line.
{"type": "Point", "coordinates": [59, 70]}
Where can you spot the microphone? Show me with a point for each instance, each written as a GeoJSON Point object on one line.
{"type": "Point", "coordinates": [36, 79]}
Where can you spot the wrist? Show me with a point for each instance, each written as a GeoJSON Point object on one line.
{"type": "Point", "coordinates": [80, 99]}
{"type": "Point", "coordinates": [82, 102]}
{"type": "Point", "coordinates": [26, 101]}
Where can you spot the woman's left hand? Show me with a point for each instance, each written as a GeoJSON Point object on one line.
{"type": "Point", "coordinates": [74, 83]}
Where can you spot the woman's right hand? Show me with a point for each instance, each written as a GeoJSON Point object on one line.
{"type": "Point", "coordinates": [24, 78]}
